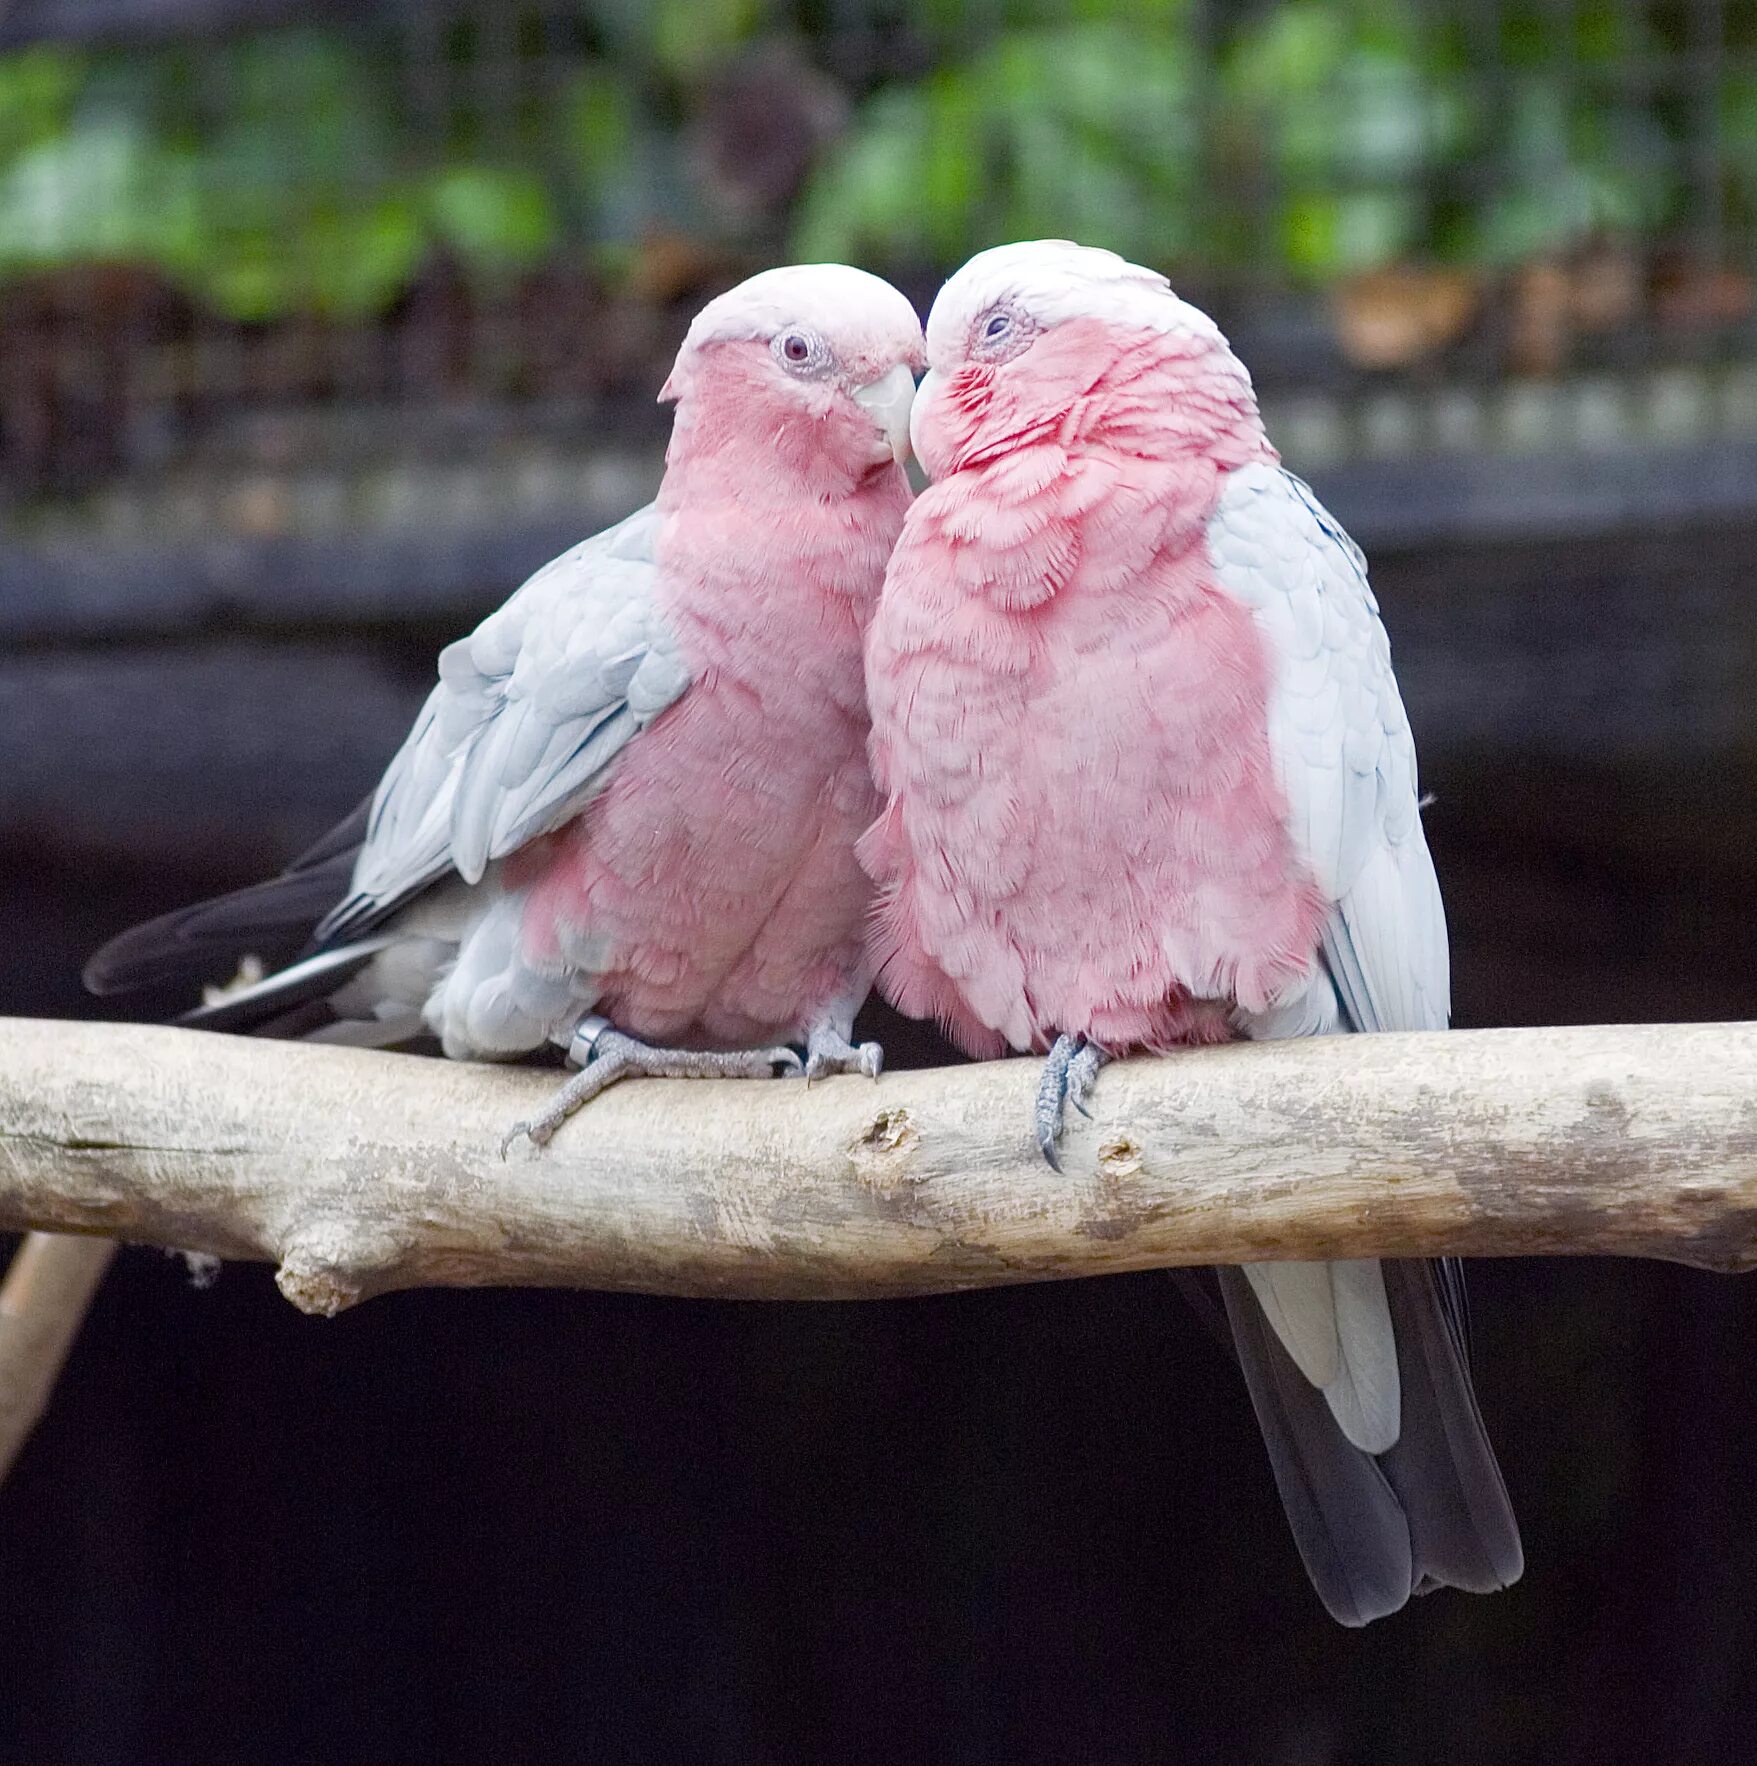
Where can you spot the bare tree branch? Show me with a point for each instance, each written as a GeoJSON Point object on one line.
{"type": "Point", "coordinates": [359, 1172]}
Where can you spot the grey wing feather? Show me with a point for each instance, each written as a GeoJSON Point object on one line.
{"type": "Point", "coordinates": [271, 920]}
{"type": "Point", "coordinates": [313, 978]}
{"type": "Point", "coordinates": [531, 711]}
{"type": "Point", "coordinates": [1345, 759]}
{"type": "Point", "coordinates": [1342, 746]}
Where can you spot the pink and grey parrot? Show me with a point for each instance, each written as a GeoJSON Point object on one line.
{"type": "Point", "coordinates": [624, 822]}
{"type": "Point", "coordinates": [1149, 783]}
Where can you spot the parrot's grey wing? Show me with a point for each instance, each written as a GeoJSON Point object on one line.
{"type": "Point", "coordinates": [1346, 761]}
{"type": "Point", "coordinates": [530, 714]}
{"type": "Point", "coordinates": [1342, 747]}
{"type": "Point", "coordinates": [1346, 764]}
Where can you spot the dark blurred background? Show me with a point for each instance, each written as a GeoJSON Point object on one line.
{"type": "Point", "coordinates": [321, 324]}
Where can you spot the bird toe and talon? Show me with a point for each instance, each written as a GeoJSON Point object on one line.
{"type": "Point", "coordinates": [1082, 1077]}
{"type": "Point", "coordinates": [1069, 1073]}
{"type": "Point", "coordinates": [537, 1131]}
{"type": "Point", "coordinates": [768, 1060]}
{"type": "Point", "coordinates": [828, 1052]}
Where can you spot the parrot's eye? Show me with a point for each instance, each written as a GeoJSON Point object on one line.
{"type": "Point", "coordinates": [801, 352]}
{"type": "Point", "coordinates": [999, 334]}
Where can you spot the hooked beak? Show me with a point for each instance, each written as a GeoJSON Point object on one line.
{"type": "Point", "coordinates": [889, 400]}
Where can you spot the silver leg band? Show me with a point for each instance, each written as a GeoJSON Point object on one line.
{"type": "Point", "coordinates": [585, 1037]}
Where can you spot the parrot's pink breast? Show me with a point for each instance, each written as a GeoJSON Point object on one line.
{"type": "Point", "coordinates": [710, 895]}
{"type": "Point", "coordinates": [1084, 830]}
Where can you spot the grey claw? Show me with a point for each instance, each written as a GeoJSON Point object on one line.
{"type": "Point", "coordinates": [1082, 1076]}
{"type": "Point", "coordinates": [1052, 1096]}
{"type": "Point", "coordinates": [827, 1051]}
{"type": "Point", "coordinates": [538, 1132]}
{"type": "Point", "coordinates": [1069, 1073]}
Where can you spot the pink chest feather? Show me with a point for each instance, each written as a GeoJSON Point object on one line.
{"type": "Point", "coordinates": [709, 896]}
{"type": "Point", "coordinates": [1083, 831]}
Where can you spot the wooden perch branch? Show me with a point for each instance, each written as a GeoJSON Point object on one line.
{"type": "Point", "coordinates": [359, 1172]}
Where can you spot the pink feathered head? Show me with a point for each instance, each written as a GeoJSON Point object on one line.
{"type": "Point", "coordinates": [1051, 339]}
{"type": "Point", "coordinates": [810, 369]}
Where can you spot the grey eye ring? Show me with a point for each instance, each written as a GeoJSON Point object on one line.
{"type": "Point", "coordinates": [801, 352]}
{"type": "Point", "coordinates": [999, 333]}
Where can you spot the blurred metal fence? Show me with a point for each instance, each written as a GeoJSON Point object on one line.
{"type": "Point", "coordinates": [238, 234]}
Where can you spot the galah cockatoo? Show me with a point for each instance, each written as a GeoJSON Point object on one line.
{"type": "Point", "coordinates": [624, 822]}
{"type": "Point", "coordinates": [1150, 784]}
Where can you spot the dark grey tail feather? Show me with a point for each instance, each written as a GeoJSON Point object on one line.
{"type": "Point", "coordinates": [1433, 1511]}
{"type": "Point", "coordinates": [273, 920]}
{"type": "Point", "coordinates": [1200, 1289]}
{"type": "Point", "coordinates": [1443, 1468]}
{"type": "Point", "coordinates": [1346, 1519]}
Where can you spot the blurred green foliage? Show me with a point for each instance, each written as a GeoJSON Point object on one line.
{"type": "Point", "coordinates": [285, 172]}
{"type": "Point", "coordinates": [1301, 139]}
{"type": "Point", "coordinates": [1352, 113]}
{"type": "Point", "coordinates": [316, 170]}
{"type": "Point", "coordinates": [1037, 136]}
{"type": "Point", "coordinates": [282, 186]}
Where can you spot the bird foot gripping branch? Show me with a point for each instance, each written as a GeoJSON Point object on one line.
{"type": "Point", "coordinates": [605, 1055]}
{"type": "Point", "coordinates": [1069, 1074]}
{"type": "Point", "coordinates": [828, 1051]}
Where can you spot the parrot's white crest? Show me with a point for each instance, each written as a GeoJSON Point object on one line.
{"type": "Point", "coordinates": [808, 294]}
{"type": "Point", "coordinates": [1051, 281]}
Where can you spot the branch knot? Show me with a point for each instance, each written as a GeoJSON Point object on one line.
{"type": "Point", "coordinates": [331, 1262]}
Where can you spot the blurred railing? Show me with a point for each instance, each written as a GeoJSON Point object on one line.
{"type": "Point", "coordinates": [229, 240]}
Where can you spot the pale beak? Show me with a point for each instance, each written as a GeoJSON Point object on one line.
{"type": "Point", "coordinates": [889, 400]}
{"type": "Point", "coordinates": [924, 395]}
